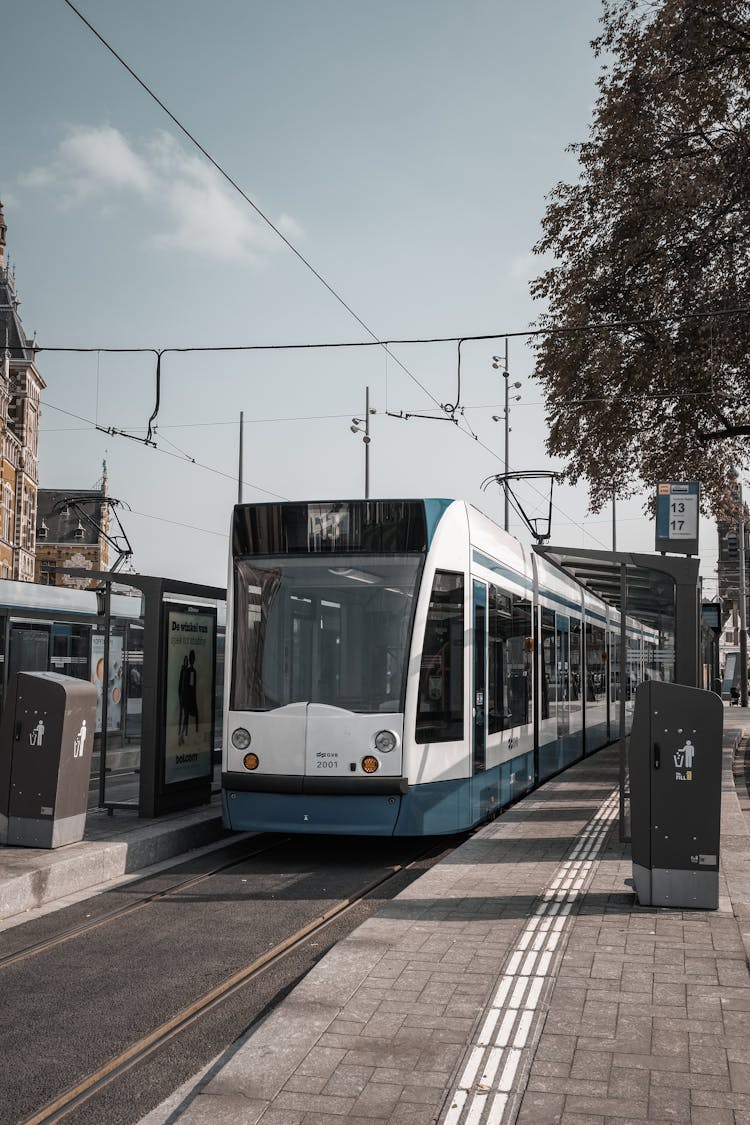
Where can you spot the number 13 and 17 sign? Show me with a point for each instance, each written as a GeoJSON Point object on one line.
{"type": "Point", "coordinates": [677, 517]}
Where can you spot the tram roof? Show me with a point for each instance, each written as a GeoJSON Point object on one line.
{"type": "Point", "coordinates": [649, 591]}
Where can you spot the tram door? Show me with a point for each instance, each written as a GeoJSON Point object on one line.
{"type": "Point", "coordinates": [479, 679]}
{"type": "Point", "coordinates": [562, 673]}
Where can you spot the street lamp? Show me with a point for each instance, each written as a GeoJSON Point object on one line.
{"type": "Point", "coordinates": [356, 428]}
{"type": "Point", "coordinates": [497, 361]}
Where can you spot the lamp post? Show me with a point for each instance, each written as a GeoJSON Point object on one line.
{"type": "Point", "coordinates": [496, 362]}
{"type": "Point", "coordinates": [356, 428]}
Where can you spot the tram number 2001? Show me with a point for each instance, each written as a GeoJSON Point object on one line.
{"type": "Point", "coordinates": [326, 761]}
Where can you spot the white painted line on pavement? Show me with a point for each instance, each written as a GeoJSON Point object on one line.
{"type": "Point", "coordinates": [527, 970]}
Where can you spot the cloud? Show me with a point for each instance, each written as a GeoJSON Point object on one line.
{"type": "Point", "coordinates": [186, 204]}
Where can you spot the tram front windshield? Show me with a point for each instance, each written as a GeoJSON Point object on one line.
{"type": "Point", "coordinates": [331, 630]}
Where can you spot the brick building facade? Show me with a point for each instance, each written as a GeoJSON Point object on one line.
{"type": "Point", "coordinates": [21, 385]}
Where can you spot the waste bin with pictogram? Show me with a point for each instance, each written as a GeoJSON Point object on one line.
{"type": "Point", "coordinates": [46, 740]}
{"type": "Point", "coordinates": [675, 760]}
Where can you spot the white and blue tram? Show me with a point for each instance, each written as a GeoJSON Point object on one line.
{"type": "Point", "coordinates": [405, 667]}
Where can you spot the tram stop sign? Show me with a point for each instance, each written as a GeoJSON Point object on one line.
{"type": "Point", "coordinates": [677, 505]}
{"type": "Point", "coordinates": [675, 795]}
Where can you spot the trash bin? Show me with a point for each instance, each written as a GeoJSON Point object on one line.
{"type": "Point", "coordinates": [675, 795]}
{"type": "Point", "coordinates": [46, 740]}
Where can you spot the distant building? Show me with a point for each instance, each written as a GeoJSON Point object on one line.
{"type": "Point", "coordinates": [728, 568]}
{"type": "Point", "coordinates": [71, 531]}
{"type": "Point", "coordinates": [21, 386]}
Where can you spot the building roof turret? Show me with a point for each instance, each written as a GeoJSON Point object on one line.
{"type": "Point", "coordinates": [12, 334]}
{"type": "Point", "coordinates": [3, 234]}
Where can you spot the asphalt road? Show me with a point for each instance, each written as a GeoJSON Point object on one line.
{"type": "Point", "coordinates": [68, 1010]}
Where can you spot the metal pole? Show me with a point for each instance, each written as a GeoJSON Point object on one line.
{"type": "Point", "coordinates": [105, 694]}
{"type": "Point", "coordinates": [506, 376]}
{"type": "Point", "coordinates": [367, 443]}
{"type": "Point", "coordinates": [239, 470]}
{"type": "Point", "coordinates": [614, 525]}
{"type": "Point", "coordinates": [743, 603]}
{"type": "Point", "coordinates": [624, 835]}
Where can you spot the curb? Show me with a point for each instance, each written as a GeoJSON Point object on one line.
{"type": "Point", "coordinates": [34, 877]}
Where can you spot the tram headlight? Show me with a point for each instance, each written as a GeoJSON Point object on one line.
{"type": "Point", "coordinates": [370, 764]}
{"type": "Point", "coordinates": [240, 738]}
{"type": "Point", "coordinates": [385, 741]}
{"type": "Point", "coordinates": [250, 761]}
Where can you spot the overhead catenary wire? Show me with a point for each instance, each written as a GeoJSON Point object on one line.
{"type": "Point", "coordinates": [462, 422]}
{"type": "Point", "coordinates": [168, 453]}
{"type": "Point", "coordinates": [269, 492]}
{"type": "Point", "coordinates": [272, 226]}
{"type": "Point", "coordinates": [483, 337]}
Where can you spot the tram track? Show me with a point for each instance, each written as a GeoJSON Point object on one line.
{"type": "Point", "coordinates": [146, 1047]}
{"type": "Point", "coordinates": [120, 912]}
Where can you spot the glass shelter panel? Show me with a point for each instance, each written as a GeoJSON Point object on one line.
{"type": "Point", "coordinates": [123, 754]}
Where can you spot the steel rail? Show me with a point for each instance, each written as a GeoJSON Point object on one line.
{"type": "Point", "coordinates": [131, 908]}
{"type": "Point", "coordinates": [87, 1087]}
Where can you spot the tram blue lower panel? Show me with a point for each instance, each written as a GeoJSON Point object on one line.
{"type": "Point", "coordinates": [436, 809]}
{"type": "Point", "coordinates": [555, 756]}
{"type": "Point", "coordinates": [596, 737]}
{"type": "Point", "coordinates": [317, 814]}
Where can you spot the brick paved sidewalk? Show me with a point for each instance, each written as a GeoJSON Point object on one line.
{"type": "Point", "coordinates": [607, 1012]}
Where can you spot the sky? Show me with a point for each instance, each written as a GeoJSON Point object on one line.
{"type": "Point", "coordinates": [404, 148]}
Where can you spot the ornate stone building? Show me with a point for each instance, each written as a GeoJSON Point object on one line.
{"type": "Point", "coordinates": [71, 531]}
{"type": "Point", "coordinates": [21, 385]}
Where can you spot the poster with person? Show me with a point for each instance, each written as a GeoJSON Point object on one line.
{"type": "Point", "coordinates": [190, 668]}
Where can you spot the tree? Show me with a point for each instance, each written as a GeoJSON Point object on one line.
{"type": "Point", "coordinates": [654, 240]}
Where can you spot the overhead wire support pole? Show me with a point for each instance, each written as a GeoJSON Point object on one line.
{"type": "Point", "coordinates": [367, 443]}
{"type": "Point", "coordinates": [614, 523]}
{"type": "Point", "coordinates": [507, 430]}
{"type": "Point", "coordinates": [743, 602]}
{"type": "Point", "coordinates": [356, 428]}
{"type": "Point", "coordinates": [240, 466]}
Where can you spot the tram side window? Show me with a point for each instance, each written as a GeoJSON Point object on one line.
{"type": "Point", "coordinates": [440, 708]}
{"type": "Point", "coordinates": [549, 672]}
{"type": "Point", "coordinates": [498, 632]}
{"type": "Point", "coordinates": [509, 680]}
{"type": "Point", "coordinates": [575, 662]}
{"type": "Point", "coordinates": [519, 670]}
{"type": "Point", "coordinates": [596, 664]}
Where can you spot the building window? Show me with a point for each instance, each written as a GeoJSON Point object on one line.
{"type": "Point", "coordinates": [47, 575]}
{"type": "Point", "coordinates": [8, 514]}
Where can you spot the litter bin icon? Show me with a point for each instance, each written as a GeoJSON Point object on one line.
{"type": "Point", "coordinates": [675, 795]}
{"type": "Point", "coordinates": [46, 741]}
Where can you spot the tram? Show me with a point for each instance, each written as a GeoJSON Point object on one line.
{"type": "Point", "coordinates": [405, 667]}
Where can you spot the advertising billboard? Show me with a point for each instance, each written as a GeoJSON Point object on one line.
{"type": "Point", "coordinates": [189, 697]}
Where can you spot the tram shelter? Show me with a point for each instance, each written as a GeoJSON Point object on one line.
{"type": "Point", "coordinates": [662, 592]}
{"type": "Point", "coordinates": [181, 684]}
